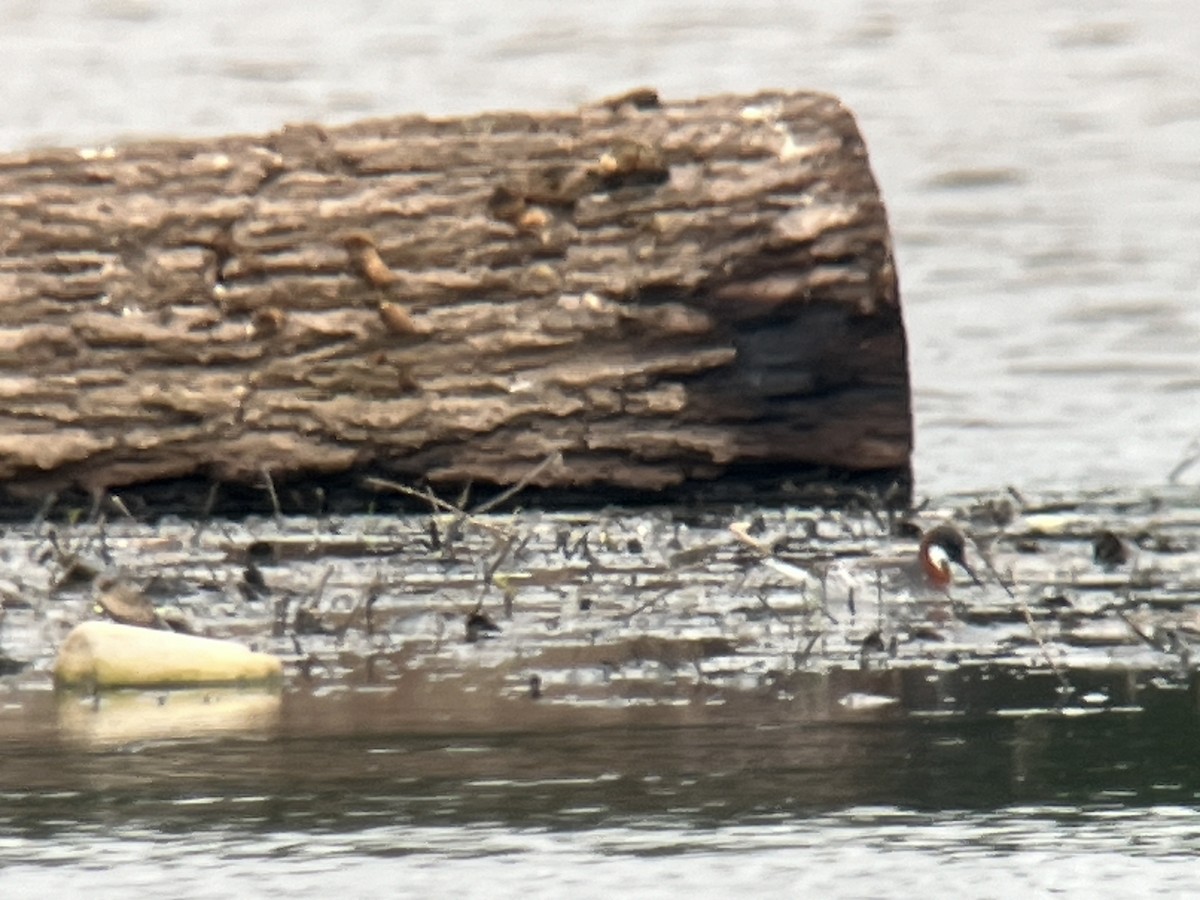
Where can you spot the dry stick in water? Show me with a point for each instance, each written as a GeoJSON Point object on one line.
{"type": "Point", "coordinates": [1063, 682]}
{"type": "Point", "coordinates": [362, 608]}
{"type": "Point", "coordinates": [648, 604]}
{"type": "Point", "coordinates": [800, 657]}
{"type": "Point", "coordinates": [522, 483]}
{"type": "Point", "coordinates": [761, 597]}
{"type": "Point", "coordinates": [1191, 455]}
{"type": "Point", "coordinates": [433, 500]}
{"type": "Point", "coordinates": [483, 508]}
{"type": "Point", "coordinates": [97, 510]}
{"type": "Point", "coordinates": [279, 624]}
{"type": "Point", "coordinates": [1141, 635]}
{"type": "Point", "coordinates": [43, 511]}
{"type": "Point", "coordinates": [210, 503]}
{"type": "Point", "coordinates": [270, 482]}
{"type": "Point", "coordinates": [374, 590]}
{"type": "Point", "coordinates": [504, 545]}
{"type": "Point", "coordinates": [803, 577]}
{"type": "Point", "coordinates": [454, 529]}
{"type": "Point", "coordinates": [120, 506]}
{"type": "Point", "coordinates": [740, 585]}
{"type": "Point", "coordinates": [310, 606]}
{"type": "Point", "coordinates": [321, 584]}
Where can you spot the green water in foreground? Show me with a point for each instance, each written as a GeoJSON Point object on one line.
{"type": "Point", "coordinates": [885, 804]}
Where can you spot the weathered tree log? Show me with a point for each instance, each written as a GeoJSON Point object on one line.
{"type": "Point", "coordinates": [665, 294]}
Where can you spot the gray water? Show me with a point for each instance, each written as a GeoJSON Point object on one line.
{"type": "Point", "coordinates": [1041, 164]}
{"type": "Point", "coordinates": [1032, 806]}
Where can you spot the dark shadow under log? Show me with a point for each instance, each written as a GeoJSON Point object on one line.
{"type": "Point", "coordinates": [671, 296]}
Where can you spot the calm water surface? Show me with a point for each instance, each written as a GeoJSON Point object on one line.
{"type": "Point", "coordinates": [1041, 162]}
{"type": "Point", "coordinates": [877, 807]}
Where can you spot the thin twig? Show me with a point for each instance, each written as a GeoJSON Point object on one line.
{"type": "Point", "coordinates": [210, 503]}
{"type": "Point", "coordinates": [121, 507]}
{"type": "Point", "coordinates": [463, 515]}
{"type": "Point", "coordinates": [363, 608]}
{"type": "Point", "coordinates": [433, 500]}
{"type": "Point", "coordinates": [270, 482]}
{"type": "Point", "coordinates": [1034, 631]}
{"type": "Point", "coordinates": [399, 488]}
{"type": "Point", "coordinates": [43, 511]}
{"type": "Point", "coordinates": [793, 573]}
{"type": "Point", "coordinates": [505, 546]}
{"type": "Point", "coordinates": [741, 531]}
{"type": "Point", "coordinates": [653, 601]}
{"type": "Point", "coordinates": [771, 611]}
{"type": "Point", "coordinates": [1191, 455]}
{"type": "Point", "coordinates": [97, 503]}
{"type": "Point", "coordinates": [800, 657]}
{"type": "Point", "coordinates": [1142, 636]}
{"type": "Point", "coordinates": [320, 591]}
{"type": "Point", "coordinates": [522, 483]}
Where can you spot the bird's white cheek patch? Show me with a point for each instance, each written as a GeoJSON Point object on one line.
{"type": "Point", "coordinates": [939, 558]}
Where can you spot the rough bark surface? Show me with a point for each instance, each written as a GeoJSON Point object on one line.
{"type": "Point", "coordinates": [663, 293]}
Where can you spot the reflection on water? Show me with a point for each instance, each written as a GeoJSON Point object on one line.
{"type": "Point", "coordinates": [124, 717]}
{"type": "Point", "coordinates": [830, 805]}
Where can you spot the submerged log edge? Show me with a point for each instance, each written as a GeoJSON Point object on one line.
{"type": "Point", "coordinates": [691, 299]}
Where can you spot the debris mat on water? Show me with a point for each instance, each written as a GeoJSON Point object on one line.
{"type": "Point", "coordinates": [1082, 599]}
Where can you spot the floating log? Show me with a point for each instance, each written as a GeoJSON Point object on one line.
{"type": "Point", "coordinates": [665, 294]}
{"type": "Point", "coordinates": [108, 655]}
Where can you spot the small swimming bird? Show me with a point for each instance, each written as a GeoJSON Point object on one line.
{"type": "Point", "coordinates": [1109, 551]}
{"type": "Point", "coordinates": [940, 547]}
{"type": "Point", "coordinates": [480, 626]}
